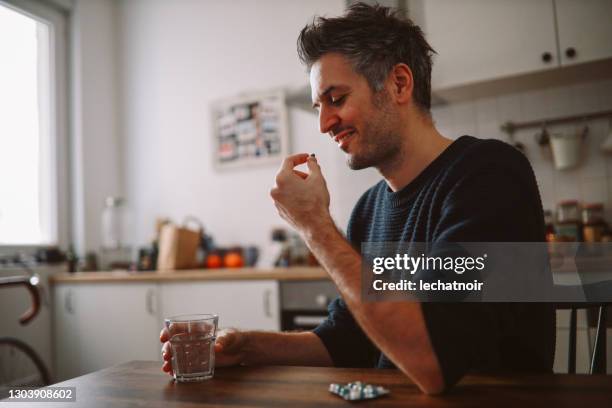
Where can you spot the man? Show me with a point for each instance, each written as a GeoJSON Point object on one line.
{"type": "Point", "coordinates": [370, 83]}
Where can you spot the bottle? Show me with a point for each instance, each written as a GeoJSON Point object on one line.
{"type": "Point", "coordinates": [568, 226]}
{"type": "Point", "coordinates": [112, 223]}
{"type": "Point", "coordinates": [115, 252]}
{"type": "Point", "coordinates": [72, 259]}
{"type": "Point", "coordinates": [550, 228]}
{"type": "Point", "coordinates": [593, 222]}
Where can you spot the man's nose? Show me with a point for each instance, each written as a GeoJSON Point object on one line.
{"type": "Point", "coordinates": [327, 120]}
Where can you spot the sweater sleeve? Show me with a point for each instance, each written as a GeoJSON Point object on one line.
{"type": "Point", "coordinates": [346, 343]}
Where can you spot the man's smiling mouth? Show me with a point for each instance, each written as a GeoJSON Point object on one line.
{"type": "Point", "coordinates": [343, 138]}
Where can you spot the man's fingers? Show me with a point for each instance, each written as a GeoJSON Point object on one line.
{"type": "Point", "coordinates": [164, 336]}
{"type": "Point", "coordinates": [167, 356]}
{"type": "Point", "coordinates": [313, 165]}
{"type": "Point", "coordinates": [167, 367]}
{"type": "Point", "coordinates": [300, 173]}
{"type": "Point", "coordinates": [294, 160]}
{"type": "Point", "coordinates": [226, 341]}
{"type": "Point", "coordinates": [166, 351]}
{"type": "Point", "coordinates": [178, 327]}
{"type": "Point", "coordinates": [229, 341]}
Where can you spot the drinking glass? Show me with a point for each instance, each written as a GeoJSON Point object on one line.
{"type": "Point", "coordinates": [192, 340]}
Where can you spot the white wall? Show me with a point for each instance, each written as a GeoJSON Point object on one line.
{"type": "Point", "coordinates": [176, 58]}
{"type": "Point", "coordinates": [591, 181]}
{"type": "Point", "coordinates": [149, 70]}
{"type": "Point", "coordinates": [96, 164]}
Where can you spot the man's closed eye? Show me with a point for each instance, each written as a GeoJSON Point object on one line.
{"type": "Point", "coordinates": [337, 101]}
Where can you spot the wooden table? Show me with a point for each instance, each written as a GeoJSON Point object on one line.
{"type": "Point", "coordinates": [142, 384]}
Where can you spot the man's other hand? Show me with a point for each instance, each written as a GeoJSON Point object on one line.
{"type": "Point", "coordinates": [230, 349]}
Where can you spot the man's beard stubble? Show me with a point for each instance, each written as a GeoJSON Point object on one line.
{"type": "Point", "coordinates": [380, 140]}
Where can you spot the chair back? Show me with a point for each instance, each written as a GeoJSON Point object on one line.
{"type": "Point", "coordinates": [595, 297]}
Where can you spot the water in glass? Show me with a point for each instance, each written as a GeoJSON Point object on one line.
{"type": "Point", "coordinates": [193, 356]}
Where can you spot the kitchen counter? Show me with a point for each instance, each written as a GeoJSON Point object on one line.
{"type": "Point", "coordinates": [280, 274]}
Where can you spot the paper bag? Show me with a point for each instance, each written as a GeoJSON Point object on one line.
{"type": "Point", "coordinates": [178, 247]}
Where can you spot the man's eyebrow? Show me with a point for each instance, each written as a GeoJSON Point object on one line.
{"type": "Point", "coordinates": [327, 91]}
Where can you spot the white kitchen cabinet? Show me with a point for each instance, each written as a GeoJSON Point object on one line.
{"type": "Point", "coordinates": [485, 40]}
{"type": "Point", "coordinates": [97, 325]}
{"type": "Point", "coordinates": [102, 324]}
{"type": "Point", "coordinates": [584, 26]}
{"type": "Point", "coordinates": [239, 304]}
{"type": "Point", "coordinates": [65, 333]}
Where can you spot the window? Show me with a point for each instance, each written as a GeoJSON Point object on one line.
{"type": "Point", "coordinates": [32, 126]}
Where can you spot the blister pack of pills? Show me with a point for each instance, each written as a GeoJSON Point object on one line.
{"type": "Point", "coordinates": [357, 391]}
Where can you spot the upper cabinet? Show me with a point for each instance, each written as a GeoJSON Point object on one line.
{"type": "Point", "coordinates": [584, 30]}
{"type": "Point", "coordinates": [482, 40]}
{"type": "Point", "coordinates": [485, 39]}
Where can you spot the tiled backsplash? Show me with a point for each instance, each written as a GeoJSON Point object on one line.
{"type": "Point", "coordinates": [591, 181]}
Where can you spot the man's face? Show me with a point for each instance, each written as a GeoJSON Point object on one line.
{"type": "Point", "coordinates": [364, 124]}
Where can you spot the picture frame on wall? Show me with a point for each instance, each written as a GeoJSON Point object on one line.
{"type": "Point", "coordinates": [250, 129]}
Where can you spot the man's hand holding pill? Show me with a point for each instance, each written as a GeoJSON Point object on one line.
{"type": "Point", "coordinates": [302, 199]}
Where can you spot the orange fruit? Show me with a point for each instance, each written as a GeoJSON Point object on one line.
{"type": "Point", "coordinates": [233, 260]}
{"type": "Point", "coordinates": [213, 261]}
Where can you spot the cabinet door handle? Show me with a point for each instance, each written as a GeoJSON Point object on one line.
{"type": "Point", "coordinates": [547, 57]}
{"type": "Point", "coordinates": [570, 52]}
{"type": "Point", "coordinates": [68, 302]}
{"type": "Point", "coordinates": [266, 303]}
{"type": "Point", "coordinates": [150, 301]}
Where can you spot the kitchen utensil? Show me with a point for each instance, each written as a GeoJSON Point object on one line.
{"type": "Point", "coordinates": [567, 148]}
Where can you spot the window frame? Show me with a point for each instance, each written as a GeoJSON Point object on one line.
{"type": "Point", "coordinates": [57, 17]}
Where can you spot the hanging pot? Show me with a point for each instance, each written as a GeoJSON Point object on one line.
{"type": "Point", "coordinates": [566, 149]}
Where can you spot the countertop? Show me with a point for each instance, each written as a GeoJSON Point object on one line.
{"type": "Point", "coordinates": [142, 384]}
{"type": "Point", "coordinates": [280, 274]}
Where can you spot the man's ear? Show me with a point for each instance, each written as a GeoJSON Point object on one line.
{"type": "Point", "coordinates": [401, 83]}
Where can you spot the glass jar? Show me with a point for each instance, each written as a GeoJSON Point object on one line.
{"type": "Point", "coordinates": [568, 211]}
{"type": "Point", "coordinates": [592, 214]}
{"type": "Point", "coordinates": [549, 222]}
{"type": "Point", "coordinates": [113, 220]}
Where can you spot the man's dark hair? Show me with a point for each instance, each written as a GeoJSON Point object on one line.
{"type": "Point", "coordinates": [374, 39]}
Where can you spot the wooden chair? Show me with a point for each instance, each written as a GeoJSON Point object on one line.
{"type": "Point", "coordinates": [598, 297]}
{"type": "Point", "coordinates": [599, 357]}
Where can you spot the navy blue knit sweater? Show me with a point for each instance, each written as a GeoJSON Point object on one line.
{"type": "Point", "coordinates": [475, 191]}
